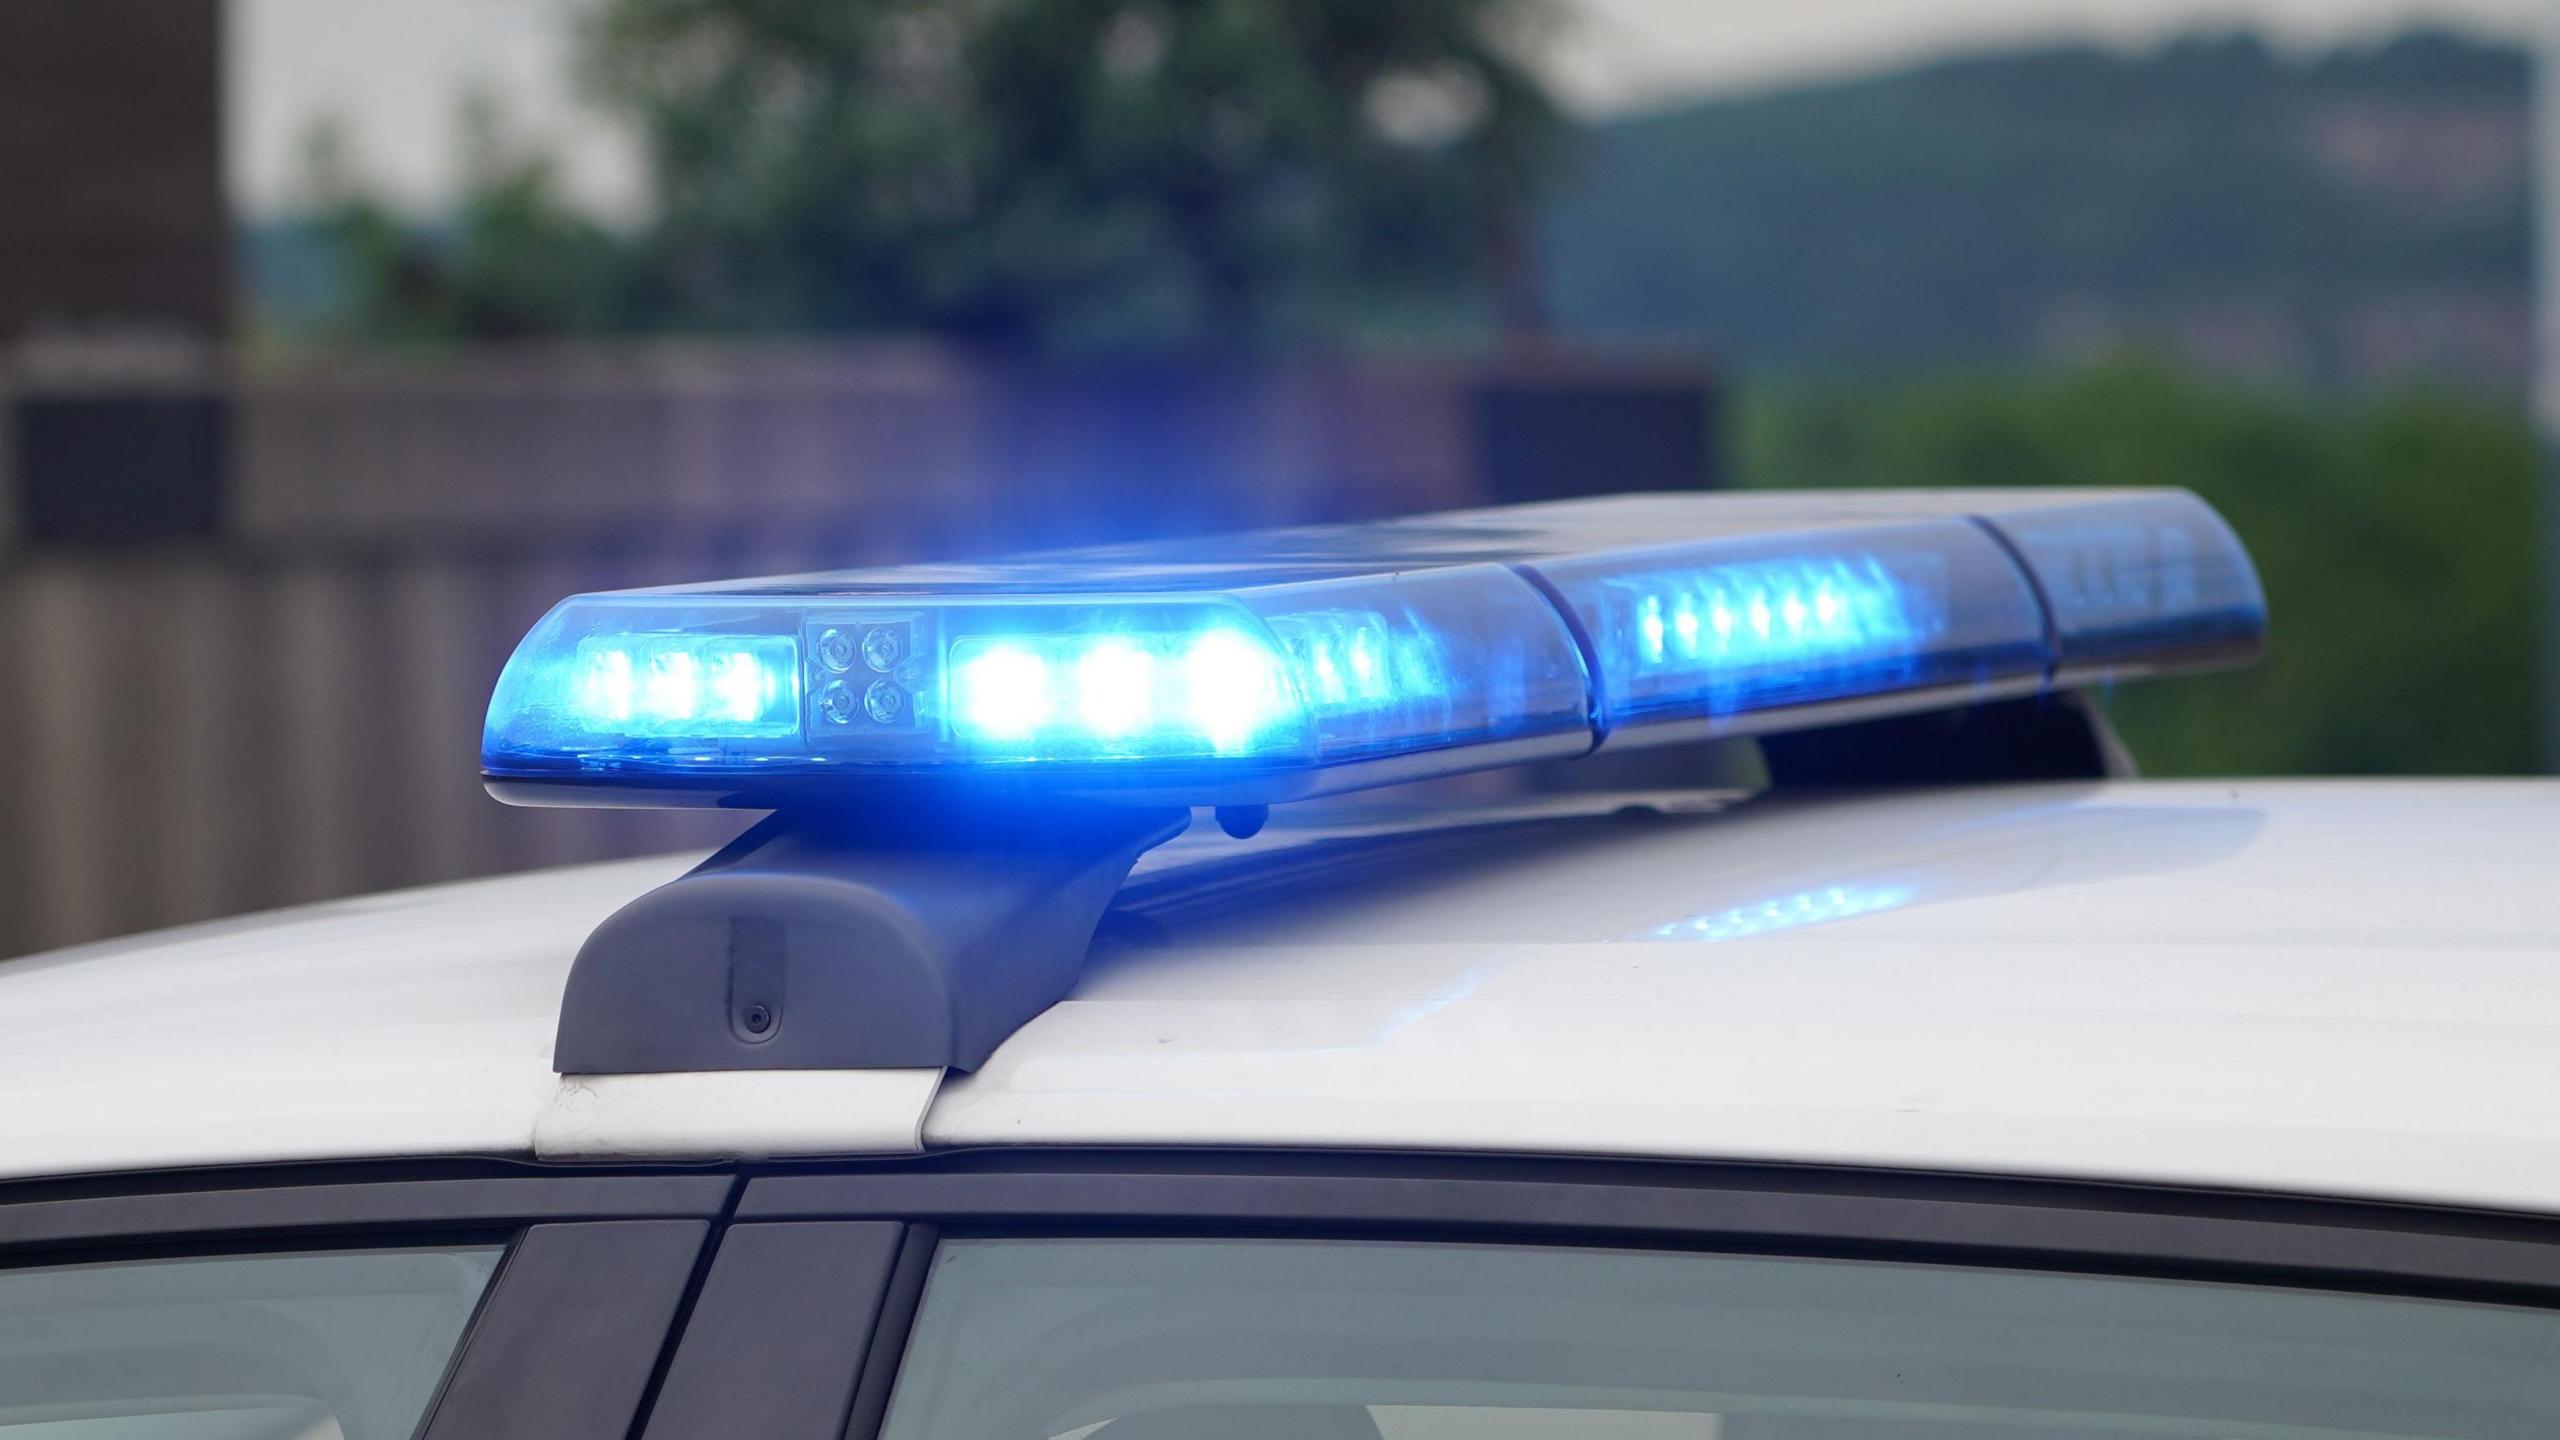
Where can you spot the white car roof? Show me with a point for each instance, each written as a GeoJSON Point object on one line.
{"type": "Point", "coordinates": [2344, 988]}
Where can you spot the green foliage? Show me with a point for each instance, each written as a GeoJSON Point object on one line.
{"type": "Point", "coordinates": [517, 261]}
{"type": "Point", "coordinates": [1071, 174]}
{"type": "Point", "coordinates": [525, 262]}
{"type": "Point", "coordinates": [2395, 537]}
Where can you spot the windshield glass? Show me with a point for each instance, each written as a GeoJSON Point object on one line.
{"type": "Point", "coordinates": [1147, 1340]}
{"type": "Point", "coordinates": [343, 1346]}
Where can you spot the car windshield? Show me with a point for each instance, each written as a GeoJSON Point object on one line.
{"type": "Point", "coordinates": [1312, 1340]}
{"type": "Point", "coordinates": [320, 1346]}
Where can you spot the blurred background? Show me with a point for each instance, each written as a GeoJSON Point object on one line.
{"type": "Point", "coordinates": [338, 338]}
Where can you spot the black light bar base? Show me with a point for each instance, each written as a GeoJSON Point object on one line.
{"type": "Point", "coordinates": [2058, 736]}
{"type": "Point", "coordinates": [822, 942]}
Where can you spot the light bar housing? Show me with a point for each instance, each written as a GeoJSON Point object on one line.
{"type": "Point", "coordinates": [1281, 664]}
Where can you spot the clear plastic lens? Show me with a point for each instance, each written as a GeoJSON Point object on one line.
{"type": "Point", "coordinates": [1732, 627]}
{"type": "Point", "coordinates": [1476, 654]}
{"type": "Point", "coordinates": [2139, 581]}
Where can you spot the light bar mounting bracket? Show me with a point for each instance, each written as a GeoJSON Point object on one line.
{"type": "Point", "coordinates": [819, 941]}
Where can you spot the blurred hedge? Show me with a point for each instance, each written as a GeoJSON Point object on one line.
{"type": "Point", "coordinates": [2396, 536]}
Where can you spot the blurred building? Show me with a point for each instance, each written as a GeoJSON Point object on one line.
{"type": "Point", "coordinates": [111, 165]}
{"type": "Point", "coordinates": [114, 265]}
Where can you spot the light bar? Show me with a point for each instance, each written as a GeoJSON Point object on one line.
{"type": "Point", "coordinates": [1288, 663]}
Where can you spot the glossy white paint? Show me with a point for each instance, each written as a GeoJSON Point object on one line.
{"type": "Point", "coordinates": [416, 1023]}
{"type": "Point", "coordinates": [745, 1115]}
{"type": "Point", "coordinates": [2347, 988]}
{"type": "Point", "coordinates": [410, 1023]}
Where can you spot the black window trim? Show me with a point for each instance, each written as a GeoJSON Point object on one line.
{"type": "Point", "coordinates": [783, 1336]}
{"type": "Point", "coordinates": [311, 1202]}
{"type": "Point", "coordinates": [2365, 1243]}
{"type": "Point", "coordinates": [2447, 1252]}
{"type": "Point", "coordinates": [575, 1332]}
{"type": "Point", "coordinates": [894, 1322]}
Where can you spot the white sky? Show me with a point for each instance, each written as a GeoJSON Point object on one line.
{"type": "Point", "coordinates": [394, 67]}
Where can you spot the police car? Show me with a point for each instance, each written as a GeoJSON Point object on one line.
{"type": "Point", "coordinates": [1484, 1062]}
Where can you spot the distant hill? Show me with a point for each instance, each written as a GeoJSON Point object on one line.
{"type": "Point", "coordinates": [2340, 220]}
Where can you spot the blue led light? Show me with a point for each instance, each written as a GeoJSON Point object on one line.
{"type": "Point", "coordinates": [1731, 617]}
{"type": "Point", "coordinates": [1708, 633]}
{"type": "Point", "coordinates": [1232, 690]}
{"type": "Point", "coordinates": [1298, 662]}
{"type": "Point", "coordinates": [1115, 685]}
{"type": "Point", "coordinates": [681, 686]}
{"type": "Point", "coordinates": [1002, 692]}
{"type": "Point", "coordinates": [1200, 687]}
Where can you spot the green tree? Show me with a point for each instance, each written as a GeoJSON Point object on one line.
{"type": "Point", "coordinates": [385, 286]}
{"type": "Point", "coordinates": [517, 260]}
{"type": "Point", "coordinates": [1076, 173]}
{"type": "Point", "coordinates": [525, 261]}
{"type": "Point", "coordinates": [2394, 535]}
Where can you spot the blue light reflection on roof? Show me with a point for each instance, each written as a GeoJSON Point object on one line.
{"type": "Point", "coordinates": [1820, 905]}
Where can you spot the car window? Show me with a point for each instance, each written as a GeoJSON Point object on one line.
{"type": "Point", "coordinates": [346, 1345]}
{"type": "Point", "coordinates": [1239, 1339]}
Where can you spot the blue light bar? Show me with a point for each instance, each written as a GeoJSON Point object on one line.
{"type": "Point", "coordinates": [1289, 663]}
